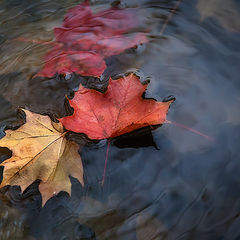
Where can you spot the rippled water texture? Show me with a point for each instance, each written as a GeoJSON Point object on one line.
{"type": "Point", "coordinates": [166, 184]}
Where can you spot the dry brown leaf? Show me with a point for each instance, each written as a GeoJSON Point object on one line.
{"type": "Point", "coordinates": [226, 12]}
{"type": "Point", "coordinates": [40, 151]}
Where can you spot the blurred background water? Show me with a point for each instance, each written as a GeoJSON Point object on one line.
{"type": "Point", "coordinates": [168, 183]}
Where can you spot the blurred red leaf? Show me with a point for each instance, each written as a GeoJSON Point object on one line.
{"type": "Point", "coordinates": [118, 111]}
{"type": "Point", "coordinates": [62, 61]}
{"type": "Point", "coordinates": [85, 39]}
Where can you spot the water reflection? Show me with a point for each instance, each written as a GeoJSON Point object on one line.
{"type": "Point", "coordinates": [171, 185]}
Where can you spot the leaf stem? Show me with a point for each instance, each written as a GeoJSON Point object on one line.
{"type": "Point", "coordinates": [169, 17]}
{"type": "Point", "coordinates": [105, 165]}
{"type": "Point", "coordinates": [190, 129]}
{"type": "Point", "coordinates": [21, 39]}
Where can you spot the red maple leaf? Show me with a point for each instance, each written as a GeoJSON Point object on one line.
{"type": "Point", "coordinates": [118, 111]}
{"type": "Point", "coordinates": [63, 61]}
{"type": "Point", "coordinates": [85, 39]}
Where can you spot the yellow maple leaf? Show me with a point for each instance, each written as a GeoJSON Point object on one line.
{"type": "Point", "coordinates": [40, 151]}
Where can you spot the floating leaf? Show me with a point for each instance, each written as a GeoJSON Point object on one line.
{"type": "Point", "coordinates": [40, 151]}
{"type": "Point", "coordinates": [120, 110]}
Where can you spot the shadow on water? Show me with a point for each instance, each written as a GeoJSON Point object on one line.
{"type": "Point", "coordinates": [167, 183]}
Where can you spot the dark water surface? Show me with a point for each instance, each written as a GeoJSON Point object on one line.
{"type": "Point", "coordinates": [166, 184]}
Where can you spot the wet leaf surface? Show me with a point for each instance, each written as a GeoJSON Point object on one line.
{"type": "Point", "coordinates": [86, 38]}
{"type": "Point", "coordinates": [118, 111]}
{"type": "Point", "coordinates": [190, 185]}
{"type": "Point", "coordinates": [40, 151]}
